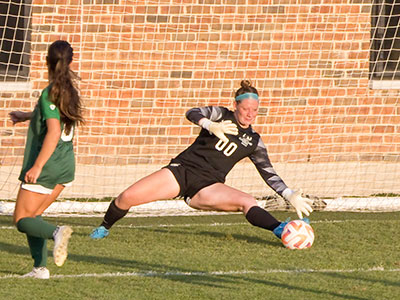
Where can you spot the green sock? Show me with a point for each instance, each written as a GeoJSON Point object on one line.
{"type": "Point", "coordinates": [38, 247]}
{"type": "Point", "coordinates": [36, 227]}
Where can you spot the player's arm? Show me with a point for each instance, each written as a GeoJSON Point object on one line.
{"type": "Point", "coordinates": [261, 160]}
{"type": "Point", "coordinates": [19, 116]}
{"type": "Point", "coordinates": [51, 114]}
{"type": "Point", "coordinates": [49, 145]}
{"type": "Point", "coordinates": [209, 118]}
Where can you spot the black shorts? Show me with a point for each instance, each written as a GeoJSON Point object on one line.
{"type": "Point", "coordinates": [189, 179]}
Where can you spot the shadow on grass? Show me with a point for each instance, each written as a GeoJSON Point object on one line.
{"type": "Point", "coordinates": [6, 221]}
{"type": "Point", "coordinates": [13, 249]}
{"type": "Point", "coordinates": [241, 237]}
{"type": "Point", "coordinates": [358, 277]}
{"type": "Point", "coordinates": [222, 236]}
{"type": "Point", "coordinates": [185, 275]}
{"type": "Point", "coordinates": [154, 270]}
{"type": "Point", "coordinates": [322, 294]}
{"type": "Point", "coordinates": [143, 269]}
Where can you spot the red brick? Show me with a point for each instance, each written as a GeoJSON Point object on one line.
{"type": "Point", "coordinates": [383, 129]}
{"type": "Point", "coordinates": [308, 60]}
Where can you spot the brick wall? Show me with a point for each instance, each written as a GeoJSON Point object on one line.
{"type": "Point", "coordinates": [144, 63]}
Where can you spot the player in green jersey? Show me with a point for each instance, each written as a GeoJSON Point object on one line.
{"type": "Point", "coordinates": [49, 163]}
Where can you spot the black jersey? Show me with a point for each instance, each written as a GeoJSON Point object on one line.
{"type": "Point", "coordinates": [210, 155]}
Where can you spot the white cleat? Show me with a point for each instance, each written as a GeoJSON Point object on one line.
{"type": "Point", "coordinates": [39, 273]}
{"type": "Point", "coordinates": [61, 238]}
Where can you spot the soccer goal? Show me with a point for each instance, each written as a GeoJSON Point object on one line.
{"type": "Point", "coordinates": [328, 74]}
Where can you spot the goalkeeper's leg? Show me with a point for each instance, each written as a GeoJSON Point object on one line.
{"type": "Point", "coordinates": [221, 197]}
{"type": "Point", "coordinates": [157, 186]}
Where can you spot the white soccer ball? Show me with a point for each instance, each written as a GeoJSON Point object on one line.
{"type": "Point", "coordinates": [297, 234]}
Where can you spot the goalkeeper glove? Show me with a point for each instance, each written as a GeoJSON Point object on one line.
{"type": "Point", "coordinates": [301, 204]}
{"type": "Point", "coordinates": [219, 128]}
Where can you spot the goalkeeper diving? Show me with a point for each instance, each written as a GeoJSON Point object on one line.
{"type": "Point", "coordinates": [198, 173]}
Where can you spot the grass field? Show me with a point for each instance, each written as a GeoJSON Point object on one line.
{"type": "Point", "coordinates": [355, 256]}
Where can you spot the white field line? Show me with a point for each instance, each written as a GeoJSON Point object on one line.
{"type": "Point", "coordinates": [215, 273]}
{"type": "Point", "coordinates": [212, 224]}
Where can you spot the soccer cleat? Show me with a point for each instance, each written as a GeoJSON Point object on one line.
{"type": "Point", "coordinates": [61, 237]}
{"type": "Point", "coordinates": [99, 233]}
{"type": "Point", "coordinates": [38, 272]}
{"type": "Point", "coordinates": [278, 230]}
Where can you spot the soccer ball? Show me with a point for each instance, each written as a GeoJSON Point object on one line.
{"type": "Point", "coordinates": [297, 234]}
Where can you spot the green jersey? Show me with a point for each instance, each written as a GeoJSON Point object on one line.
{"type": "Point", "coordinates": [60, 168]}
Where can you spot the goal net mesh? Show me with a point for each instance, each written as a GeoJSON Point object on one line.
{"type": "Point", "coordinates": [328, 129]}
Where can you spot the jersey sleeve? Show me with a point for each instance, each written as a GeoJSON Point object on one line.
{"type": "Point", "coordinates": [49, 109]}
{"type": "Point", "coordinates": [213, 113]}
{"type": "Point", "coordinates": [261, 160]}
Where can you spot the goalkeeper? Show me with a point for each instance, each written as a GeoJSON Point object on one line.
{"type": "Point", "coordinates": [198, 173]}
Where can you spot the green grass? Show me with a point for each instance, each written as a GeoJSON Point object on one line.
{"type": "Point", "coordinates": [194, 259]}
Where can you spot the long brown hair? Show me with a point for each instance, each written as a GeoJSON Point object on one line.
{"type": "Point", "coordinates": [64, 93]}
{"type": "Point", "coordinates": [245, 87]}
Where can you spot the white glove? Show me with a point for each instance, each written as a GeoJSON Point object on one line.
{"type": "Point", "coordinates": [301, 204]}
{"type": "Point", "coordinates": [220, 128]}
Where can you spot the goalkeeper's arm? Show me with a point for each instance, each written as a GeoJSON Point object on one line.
{"type": "Point", "coordinates": [219, 128]}
{"type": "Point", "coordinates": [209, 118]}
{"type": "Point", "coordinates": [261, 160]}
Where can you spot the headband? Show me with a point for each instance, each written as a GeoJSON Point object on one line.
{"type": "Point", "coordinates": [246, 96]}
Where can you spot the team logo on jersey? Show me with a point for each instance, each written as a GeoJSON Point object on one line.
{"type": "Point", "coordinates": [246, 140]}
{"type": "Point", "coordinates": [52, 107]}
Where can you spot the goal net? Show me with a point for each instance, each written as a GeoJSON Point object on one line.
{"type": "Point", "coordinates": [329, 129]}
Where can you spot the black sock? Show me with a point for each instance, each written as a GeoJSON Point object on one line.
{"type": "Point", "coordinates": [113, 214]}
{"type": "Point", "coordinates": [261, 218]}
